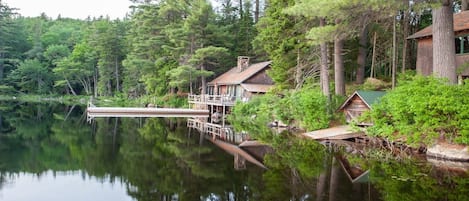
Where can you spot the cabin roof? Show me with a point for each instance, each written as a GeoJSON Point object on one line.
{"type": "Point", "coordinates": [368, 97]}
{"type": "Point", "coordinates": [233, 76]}
{"type": "Point", "coordinates": [256, 87]}
{"type": "Point", "coordinates": [460, 21]}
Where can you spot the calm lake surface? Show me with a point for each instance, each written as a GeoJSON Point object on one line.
{"type": "Point", "coordinates": [49, 152]}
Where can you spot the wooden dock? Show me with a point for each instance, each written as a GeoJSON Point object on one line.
{"type": "Point", "coordinates": [144, 112]}
{"type": "Point", "coordinates": [334, 133]}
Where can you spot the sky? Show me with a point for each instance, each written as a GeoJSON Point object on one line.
{"type": "Point", "coordinates": [78, 9]}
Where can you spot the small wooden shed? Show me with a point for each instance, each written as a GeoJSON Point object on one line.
{"type": "Point", "coordinates": [359, 102]}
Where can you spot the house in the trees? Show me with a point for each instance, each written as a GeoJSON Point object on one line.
{"type": "Point", "coordinates": [242, 81]}
{"type": "Point", "coordinates": [424, 64]}
{"type": "Point", "coordinates": [358, 103]}
{"type": "Point", "coordinates": [239, 83]}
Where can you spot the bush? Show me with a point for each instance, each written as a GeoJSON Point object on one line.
{"type": "Point", "coordinates": [422, 110]}
{"type": "Point", "coordinates": [306, 108]}
{"type": "Point", "coordinates": [309, 107]}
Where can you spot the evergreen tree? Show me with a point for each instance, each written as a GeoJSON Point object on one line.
{"type": "Point", "coordinates": [13, 42]}
{"type": "Point", "coordinates": [282, 37]}
{"type": "Point", "coordinates": [107, 37]}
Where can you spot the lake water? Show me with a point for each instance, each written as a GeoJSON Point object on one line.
{"type": "Point", "coordinates": [49, 152]}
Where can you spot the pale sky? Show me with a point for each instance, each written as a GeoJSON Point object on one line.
{"type": "Point", "coordinates": [78, 9]}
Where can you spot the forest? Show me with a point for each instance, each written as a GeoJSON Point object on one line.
{"type": "Point", "coordinates": [168, 47]}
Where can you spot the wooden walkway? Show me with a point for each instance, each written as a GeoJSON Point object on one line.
{"type": "Point", "coordinates": [334, 133]}
{"type": "Point", "coordinates": [144, 112]}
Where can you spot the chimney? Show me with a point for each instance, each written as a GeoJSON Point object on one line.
{"type": "Point", "coordinates": [243, 63]}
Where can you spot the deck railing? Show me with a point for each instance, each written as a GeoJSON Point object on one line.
{"type": "Point", "coordinates": [225, 133]}
{"type": "Point", "coordinates": [212, 99]}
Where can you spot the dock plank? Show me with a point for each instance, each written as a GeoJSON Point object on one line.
{"type": "Point", "coordinates": [334, 133]}
{"type": "Point", "coordinates": [144, 112]}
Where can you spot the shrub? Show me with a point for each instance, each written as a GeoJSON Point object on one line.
{"type": "Point", "coordinates": [421, 110]}
{"type": "Point", "coordinates": [307, 108]}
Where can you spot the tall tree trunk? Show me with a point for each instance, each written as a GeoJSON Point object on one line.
{"type": "Point", "coordinates": [70, 87]}
{"type": "Point", "coordinates": [1, 66]}
{"type": "Point", "coordinates": [298, 72]}
{"type": "Point", "coordinates": [324, 77]}
{"type": "Point", "coordinates": [464, 5]}
{"type": "Point", "coordinates": [339, 76]}
{"type": "Point", "coordinates": [241, 9]}
{"type": "Point", "coordinates": [95, 80]}
{"type": "Point", "coordinates": [444, 59]}
{"type": "Point", "coordinates": [361, 60]}
{"type": "Point", "coordinates": [118, 87]}
{"type": "Point", "coordinates": [204, 82]}
{"type": "Point", "coordinates": [373, 57]}
{"type": "Point", "coordinates": [257, 11]}
{"type": "Point", "coordinates": [405, 44]}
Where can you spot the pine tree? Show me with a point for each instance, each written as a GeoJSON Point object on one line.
{"type": "Point", "coordinates": [444, 59]}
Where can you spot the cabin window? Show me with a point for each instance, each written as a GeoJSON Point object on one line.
{"type": "Point", "coordinates": [462, 44]}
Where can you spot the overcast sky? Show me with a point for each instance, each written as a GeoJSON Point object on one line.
{"type": "Point", "coordinates": [79, 9]}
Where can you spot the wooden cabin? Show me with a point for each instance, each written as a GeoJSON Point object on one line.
{"type": "Point", "coordinates": [424, 64]}
{"type": "Point", "coordinates": [358, 103]}
{"type": "Point", "coordinates": [242, 81]}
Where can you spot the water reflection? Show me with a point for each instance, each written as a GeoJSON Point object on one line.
{"type": "Point", "coordinates": [71, 186]}
{"type": "Point", "coordinates": [46, 145]}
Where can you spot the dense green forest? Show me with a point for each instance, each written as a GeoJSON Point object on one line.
{"type": "Point", "coordinates": [169, 47]}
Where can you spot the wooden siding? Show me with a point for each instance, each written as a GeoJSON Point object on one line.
{"type": "Point", "coordinates": [461, 60]}
{"type": "Point", "coordinates": [354, 109]}
{"type": "Point", "coordinates": [259, 78]}
{"type": "Point", "coordinates": [425, 56]}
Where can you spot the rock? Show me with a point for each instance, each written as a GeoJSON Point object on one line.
{"type": "Point", "coordinates": [449, 152]}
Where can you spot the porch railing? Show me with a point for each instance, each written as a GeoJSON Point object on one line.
{"type": "Point", "coordinates": [212, 99]}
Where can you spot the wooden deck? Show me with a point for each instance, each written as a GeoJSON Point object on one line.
{"type": "Point", "coordinates": [218, 100]}
{"type": "Point", "coordinates": [334, 133]}
{"type": "Point", "coordinates": [144, 112]}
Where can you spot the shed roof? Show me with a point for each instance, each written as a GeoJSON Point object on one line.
{"type": "Point", "coordinates": [368, 97]}
{"type": "Point", "coordinates": [233, 76]}
{"type": "Point", "coordinates": [256, 87]}
{"type": "Point", "coordinates": [460, 22]}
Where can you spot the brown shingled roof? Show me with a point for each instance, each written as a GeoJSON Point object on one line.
{"type": "Point", "coordinates": [234, 77]}
{"type": "Point", "coordinates": [461, 23]}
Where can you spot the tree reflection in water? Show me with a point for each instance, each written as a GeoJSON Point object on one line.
{"type": "Point", "coordinates": [159, 159]}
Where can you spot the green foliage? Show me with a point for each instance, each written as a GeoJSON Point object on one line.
{"type": "Point", "coordinates": [421, 110]}
{"type": "Point", "coordinates": [306, 108]}
{"type": "Point", "coordinates": [309, 107]}
{"type": "Point", "coordinates": [282, 38]}
{"type": "Point", "coordinates": [32, 77]}
{"type": "Point", "coordinates": [54, 53]}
